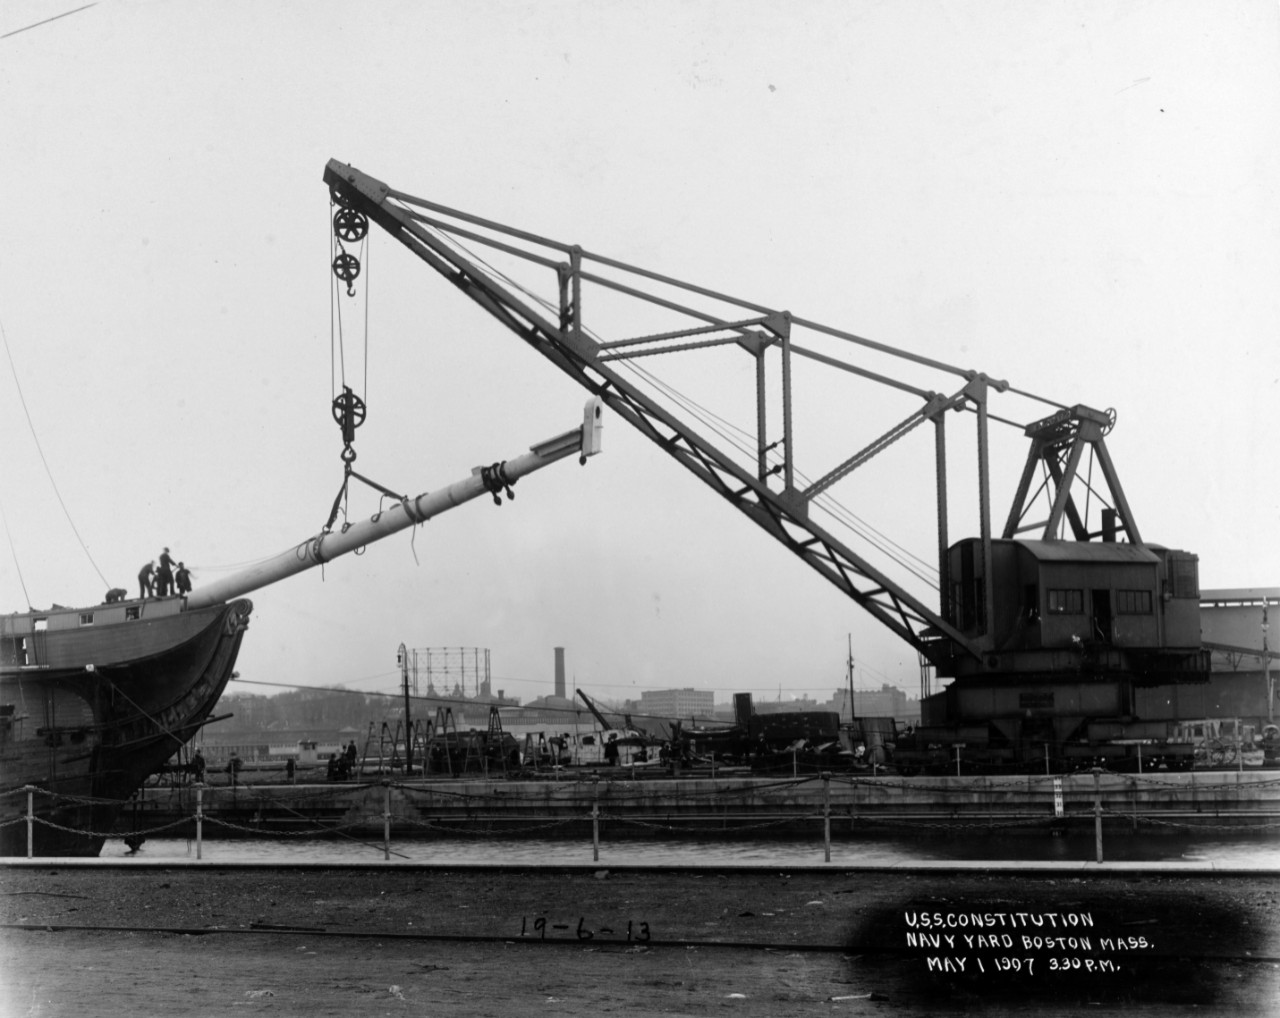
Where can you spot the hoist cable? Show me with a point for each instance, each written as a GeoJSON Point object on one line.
{"type": "Point", "coordinates": [364, 260]}
{"type": "Point", "coordinates": [841, 513]}
{"type": "Point", "coordinates": [337, 303]}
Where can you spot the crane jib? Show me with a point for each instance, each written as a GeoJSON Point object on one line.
{"type": "Point", "coordinates": [1003, 606]}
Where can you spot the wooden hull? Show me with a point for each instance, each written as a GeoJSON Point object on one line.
{"type": "Point", "coordinates": [90, 709]}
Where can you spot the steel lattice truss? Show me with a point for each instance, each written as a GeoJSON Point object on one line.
{"type": "Point", "coordinates": [769, 494]}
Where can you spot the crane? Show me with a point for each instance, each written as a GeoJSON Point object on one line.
{"type": "Point", "coordinates": [1082, 595]}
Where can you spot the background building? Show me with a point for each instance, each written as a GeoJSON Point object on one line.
{"type": "Point", "coordinates": [678, 703]}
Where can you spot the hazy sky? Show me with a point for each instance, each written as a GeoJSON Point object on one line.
{"type": "Point", "coordinates": [1080, 198]}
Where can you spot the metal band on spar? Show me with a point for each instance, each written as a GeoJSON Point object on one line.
{"type": "Point", "coordinates": [324, 547]}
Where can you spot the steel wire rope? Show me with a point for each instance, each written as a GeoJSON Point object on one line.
{"type": "Point", "coordinates": [446, 233]}
{"type": "Point", "coordinates": [13, 368]}
{"type": "Point", "coordinates": [231, 566]}
{"type": "Point", "coordinates": [14, 552]}
{"type": "Point", "coordinates": [703, 414]}
{"type": "Point", "coordinates": [336, 339]}
{"type": "Point", "coordinates": [828, 503]}
{"type": "Point", "coordinates": [823, 500]}
{"type": "Point", "coordinates": [142, 710]}
{"type": "Point", "coordinates": [841, 513]}
{"type": "Point", "coordinates": [1088, 484]}
{"type": "Point", "coordinates": [364, 260]}
{"type": "Point", "coordinates": [45, 21]}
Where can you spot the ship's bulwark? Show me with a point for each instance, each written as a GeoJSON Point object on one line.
{"type": "Point", "coordinates": [89, 715]}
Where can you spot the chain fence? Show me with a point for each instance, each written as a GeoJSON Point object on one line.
{"type": "Point", "coordinates": [738, 807]}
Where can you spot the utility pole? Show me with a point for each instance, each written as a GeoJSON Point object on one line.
{"type": "Point", "coordinates": [849, 673]}
{"type": "Point", "coordinates": [1266, 667]}
{"type": "Point", "coordinates": [402, 659]}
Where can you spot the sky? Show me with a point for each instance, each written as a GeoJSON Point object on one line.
{"type": "Point", "coordinates": [1078, 197]}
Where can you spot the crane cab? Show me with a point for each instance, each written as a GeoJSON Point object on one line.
{"type": "Point", "coordinates": [1075, 606]}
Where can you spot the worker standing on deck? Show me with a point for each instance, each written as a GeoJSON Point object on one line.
{"type": "Point", "coordinates": [144, 579]}
{"type": "Point", "coordinates": [164, 575]}
{"type": "Point", "coordinates": [182, 579]}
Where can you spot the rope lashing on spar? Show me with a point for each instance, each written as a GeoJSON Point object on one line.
{"type": "Point", "coordinates": [496, 481]}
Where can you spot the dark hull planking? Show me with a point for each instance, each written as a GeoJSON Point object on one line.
{"type": "Point", "coordinates": [91, 711]}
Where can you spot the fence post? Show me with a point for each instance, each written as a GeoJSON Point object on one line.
{"type": "Point", "coordinates": [826, 815]}
{"type": "Point", "coordinates": [595, 817]}
{"type": "Point", "coordinates": [31, 820]}
{"type": "Point", "coordinates": [1097, 811]}
{"type": "Point", "coordinates": [386, 819]}
{"type": "Point", "coordinates": [199, 819]}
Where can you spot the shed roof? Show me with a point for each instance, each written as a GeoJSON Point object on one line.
{"type": "Point", "coordinates": [1088, 551]}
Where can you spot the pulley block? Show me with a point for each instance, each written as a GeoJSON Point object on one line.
{"type": "Point", "coordinates": [338, 198]}
{"type": "Point", "coordinates": [350, 225]}
{"type": "Point", "coordinates": [349, 412]}
{"type": "Point", "coordinates": [346, 267]}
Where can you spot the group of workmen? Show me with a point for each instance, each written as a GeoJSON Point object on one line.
{"type": "Point", "coordinates": [168, 579]}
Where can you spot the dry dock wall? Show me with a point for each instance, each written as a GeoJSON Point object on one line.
{"type": "Point", "coordinates": [766, 806]}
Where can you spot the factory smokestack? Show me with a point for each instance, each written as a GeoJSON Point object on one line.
{"type": "Point", "coordinates": [560, 672]}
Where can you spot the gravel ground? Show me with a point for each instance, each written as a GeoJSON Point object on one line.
{"type": "Point", "coordinates": [211, 941]}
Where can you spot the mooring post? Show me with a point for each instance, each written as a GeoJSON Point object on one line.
{"type": "Point", "coordinates": [199, 819]}
{"type": "Point", "coordinates": [1097, 811]}
{"type": "Point", "coordinates": [826, 815]}
{"type": "Point", "coordinates": [386, 819]}
{"type": "Point", "coordinates": [31, 820]}
{"type": "Point", "coordinates": [595, 817]}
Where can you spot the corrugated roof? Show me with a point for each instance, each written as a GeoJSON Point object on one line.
{"type": "Point", "coordinates": [1087, 551]}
